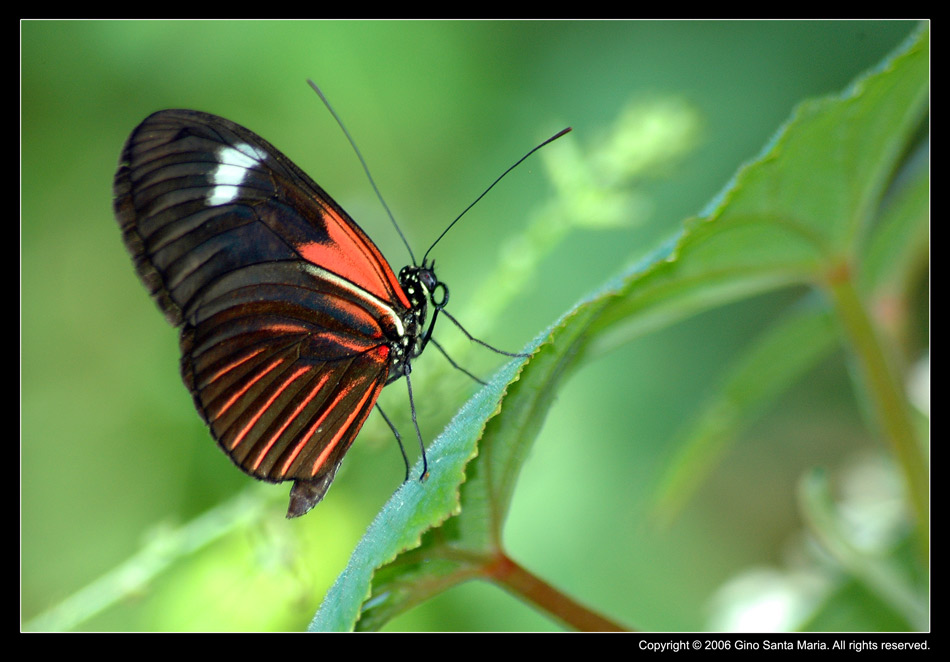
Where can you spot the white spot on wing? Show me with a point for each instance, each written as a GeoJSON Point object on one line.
{"type": "Point", "coordinates": [233, 165]}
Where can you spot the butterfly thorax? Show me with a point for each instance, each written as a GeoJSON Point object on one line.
{"type": "Point", "coordinates": [421, 287]}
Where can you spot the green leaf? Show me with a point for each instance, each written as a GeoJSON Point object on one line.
{"type": "Point", "coordinates": [900, 240]}
{"type": "Point", "coordinates": [415, 507]}
{"type": "Point", "coordinates": [781, 224]}
{"type": "Point", "coordinates": [793, 216]}
{"type": "Point", "coordinates": [458, 550]}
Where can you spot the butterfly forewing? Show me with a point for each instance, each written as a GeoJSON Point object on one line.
{"type": "Point", "coordinates": [289, 313]}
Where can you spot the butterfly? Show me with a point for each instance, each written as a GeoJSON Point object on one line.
{"type": "Point", "coordinates": [291, 320]}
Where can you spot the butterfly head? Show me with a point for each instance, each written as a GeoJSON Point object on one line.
{"type": "Point", "coordinates": [422, 285]}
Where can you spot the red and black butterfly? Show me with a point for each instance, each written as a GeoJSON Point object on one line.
{"type": "Point", "coordinates": [292, 322]}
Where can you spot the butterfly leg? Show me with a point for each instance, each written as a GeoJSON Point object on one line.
{"type": "Point", "coordinates": [415, 423]}
{"type": "Point", "coordinates": [454, 364]}
{"type": "Point", "coordinates": [481, 342]}
{"type": "Point", "coordinates": [397, 435]}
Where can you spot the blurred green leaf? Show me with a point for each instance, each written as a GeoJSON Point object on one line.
{"type": "Point", "coordinates": [877, 573]}
{"type": "Point", "coordinates": [765, 370]}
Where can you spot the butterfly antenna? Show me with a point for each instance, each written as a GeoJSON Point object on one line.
{"type": "Point", "coordinates": [366, 167]}
{"type": "Point", "coordinates": [516, 164]}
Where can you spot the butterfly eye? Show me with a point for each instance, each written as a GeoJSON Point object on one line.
{"type": "Point", "coordinates": [427, 277]}
{"type": "Point", "coordinates": [432, 285]}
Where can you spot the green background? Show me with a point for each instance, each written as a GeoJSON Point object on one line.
{"type": "Point", "coordinates": [112, 452]}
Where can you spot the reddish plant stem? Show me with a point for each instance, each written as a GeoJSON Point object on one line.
{"type": "Point", "coordinates": [887, 395]}
{"type": "Point", "coordinates": [509, 575]}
